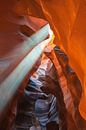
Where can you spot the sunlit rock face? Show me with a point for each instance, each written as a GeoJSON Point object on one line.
{"type": "Point", "coordinates": [68, 19]}
{"type": "Point", "coordinates": [77, 52]}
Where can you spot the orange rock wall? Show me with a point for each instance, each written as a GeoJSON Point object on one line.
{"type": "Point", "coordinates": [68, 20]}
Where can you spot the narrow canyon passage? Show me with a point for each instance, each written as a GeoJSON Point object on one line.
{"type": "Point", "coordinates": [42, 65]}
{"type": "Point", "coordinates": [51, 97]}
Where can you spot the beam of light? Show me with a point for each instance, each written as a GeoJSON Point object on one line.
{"type": "Point", "coordinates": [12, 82]}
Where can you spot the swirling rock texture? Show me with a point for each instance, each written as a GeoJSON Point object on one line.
{"type": "Point", "coordinates": [68, 20]}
